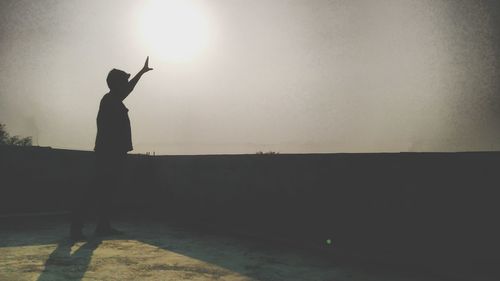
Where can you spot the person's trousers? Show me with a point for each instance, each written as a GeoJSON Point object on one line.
{"type": "Point", "coordinates": [98, 197]}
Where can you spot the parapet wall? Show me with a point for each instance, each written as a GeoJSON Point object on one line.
{"type": "Point", "coordinates": [428, 208]}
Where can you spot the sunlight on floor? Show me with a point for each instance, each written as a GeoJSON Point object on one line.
{"type": "Point", "coordinates": [111, 260]}
{"type": "Point", "coordinates": [40, 251]}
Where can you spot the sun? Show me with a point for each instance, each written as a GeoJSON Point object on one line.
{"type": "Point", "coordinates": [174, 30]}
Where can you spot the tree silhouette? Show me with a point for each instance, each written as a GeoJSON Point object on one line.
{"type": "Point", "coordinates": [6, 139]}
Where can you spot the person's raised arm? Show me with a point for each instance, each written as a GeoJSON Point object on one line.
{"type": "Point", "coordinates": [133, 81]}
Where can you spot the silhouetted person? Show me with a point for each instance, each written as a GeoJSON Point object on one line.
{"type": "Point", "coordinates": [112, 143]}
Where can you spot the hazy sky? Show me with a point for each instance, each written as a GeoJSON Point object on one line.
{"type": "Point", "coordinates": [288, 76]}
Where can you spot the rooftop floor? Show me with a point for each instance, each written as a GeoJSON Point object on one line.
{"type": "Point", "coordinates": [39, 249]}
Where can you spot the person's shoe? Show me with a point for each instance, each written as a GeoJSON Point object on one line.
{"type": "Point", "coordinates": [108, 232]}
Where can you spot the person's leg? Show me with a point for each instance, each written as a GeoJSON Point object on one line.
{"type": "Point", "coordinates": [79, 211]}
{"type": "Point", "coordinates": [86, 201]}
{"type": "Point", "coordinates": [103, 223]}
{"type": "Point", "coordinates": [112, 178]}
{"type": "Point", "coordinates": [76, 224]}
{"type": "Point", "coordinates": [104, 175]}
{"type": "Point", "coordinates": [103, 206]}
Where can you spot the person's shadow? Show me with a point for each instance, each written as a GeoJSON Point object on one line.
{"type": "Point", "coordinates": [70, 266]}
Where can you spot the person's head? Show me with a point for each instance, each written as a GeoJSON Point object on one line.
{"type": "Point", "coordinates": [117, 79]}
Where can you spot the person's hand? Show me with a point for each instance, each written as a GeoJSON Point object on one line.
{"type": "Point", "coordinates": [146, 67]}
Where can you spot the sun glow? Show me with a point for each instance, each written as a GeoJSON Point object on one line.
{"type": "Point", "coordinates": [175, 30]}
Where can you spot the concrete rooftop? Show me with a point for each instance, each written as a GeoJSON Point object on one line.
{"type": "Point", "coordinates": [39, 249]}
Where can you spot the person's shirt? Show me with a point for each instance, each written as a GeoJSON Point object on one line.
{"type": "Point", "coordinates": [113, 126]}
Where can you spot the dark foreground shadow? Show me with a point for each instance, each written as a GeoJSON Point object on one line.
{"type": "Point", "coordinates": [62, 264]}
{"type": "Point", "coordinates": [222, 254]}
{"type": "Point", "coordinates": [229, 255]}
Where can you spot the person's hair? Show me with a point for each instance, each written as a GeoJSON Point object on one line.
{"type": "Point", "coordinates": [117, 78]}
